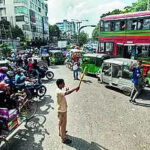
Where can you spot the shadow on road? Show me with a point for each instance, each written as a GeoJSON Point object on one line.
{"type": "Point", "coordinates": [87, 81]}
{"type": "Point", "coordinates": [32, 137]}
{"type": "Point", "coordinates": [80, 144]}
{"type": "Point", "coordinates": [27, 140]}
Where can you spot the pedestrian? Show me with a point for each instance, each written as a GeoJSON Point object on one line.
{"type": "Point", "coordinates": [136, 73]}
{"type": "Point", "coordinates": [75, 70]}
{"type": "Point", "coordinates": [62, 109]}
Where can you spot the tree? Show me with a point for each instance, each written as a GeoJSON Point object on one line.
{"type": "Point", "coordinates": [83, 38]}
{"type": "Point", "coordinates": [5, 29]}
{"type": "Point", "coordinates": [141, 5]}
{"type": "Point", "coordinates": [54, 32]}
{"type": "Point", "coordinates": [95, 33]}
{"type": "Point", "coordinates": [17, 32]}
{"type": "Point", "coordinates": [5, 50]}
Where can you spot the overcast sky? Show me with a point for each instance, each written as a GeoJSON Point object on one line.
{"type": "Point", "coordinates": [82, 9]}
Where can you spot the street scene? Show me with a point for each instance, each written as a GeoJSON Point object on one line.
{"type": "Point", "coordinates": [74, 75]}
{"type": "Point", "coordinates": [98, 119]}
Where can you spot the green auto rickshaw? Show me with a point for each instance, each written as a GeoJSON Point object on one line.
{"type": "Point", "coordinates": [56, 57]}
{"type": "Point", "coordinates": [93, 62]}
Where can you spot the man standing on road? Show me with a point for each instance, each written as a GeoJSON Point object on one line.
{"type": "Point", "coordinates": [62, 109]}
{"type": "Point", "coordinates": [135, 80]}
{"type": "Point", "coordinates": [75, 70]}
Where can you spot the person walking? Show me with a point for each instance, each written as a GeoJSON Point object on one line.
{"type": "Point", "coordinates": [75, 70]}
{"type": "Point", "coordinates": [62, 109]}
{"type": "Point", "coordinates": [135, 80]}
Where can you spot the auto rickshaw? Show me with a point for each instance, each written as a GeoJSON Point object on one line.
{"type": "Point", "coordinates": [92, 62]}
{"type": "Point", "coordinates": [56, 57]}
{"type": "Point", "coordinates": [116, 73]}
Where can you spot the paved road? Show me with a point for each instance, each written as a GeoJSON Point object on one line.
{"type": "Point", "coordinates": [99, 118]}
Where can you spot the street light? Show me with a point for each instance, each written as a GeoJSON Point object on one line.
{"type": "Point", "coordinates": [78, 22]}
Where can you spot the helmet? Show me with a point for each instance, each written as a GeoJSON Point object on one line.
{"type": "Point", "coordinates": [10, 73]}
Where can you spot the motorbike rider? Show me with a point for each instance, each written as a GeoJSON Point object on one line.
{"type": "Point", "coordinates": [20, 79]}
{"type": "Point", "coordinates": [36, 68]}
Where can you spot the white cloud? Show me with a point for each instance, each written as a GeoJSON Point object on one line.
{"type": "Point", "coordinates": [79, 9]}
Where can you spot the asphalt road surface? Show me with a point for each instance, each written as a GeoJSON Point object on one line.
{"type": "Point", "coordinates": [99, 118]}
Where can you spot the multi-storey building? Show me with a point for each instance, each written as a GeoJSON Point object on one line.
{"type": "Point", "coordinates": [29, 15]}
{"type": "Point", "coordinates": [67, 27]}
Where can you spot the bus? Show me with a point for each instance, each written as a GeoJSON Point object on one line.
{"type": "Point", "coordinates": [126, 36]}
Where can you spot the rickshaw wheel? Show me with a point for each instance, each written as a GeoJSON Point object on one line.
{"type": "Point", "coordinates": [126, 92]}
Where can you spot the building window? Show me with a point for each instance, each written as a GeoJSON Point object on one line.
{"type": "Point", "coordinates": [19, 18]}
{"type": "Point", "coordinates": [21, 1]}
{"type": "Point", "coordinates": [26, 27]}
{"type": "Point", "coordinates": [21, 10]}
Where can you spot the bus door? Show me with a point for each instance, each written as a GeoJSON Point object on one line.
{"type": "Point", "coordinates": [129, 52]}
{"type": "Point", "coordinates": [120, 50]}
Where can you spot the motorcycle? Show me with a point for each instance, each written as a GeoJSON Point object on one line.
{"type": "Point", "coordinates": [35, 89]}
{"type": "Point", "coordinates": [43, 72]}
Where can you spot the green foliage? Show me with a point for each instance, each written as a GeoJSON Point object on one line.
{"type": "Point", "coordinates": [9, 31]}
{"type": "Point", "coordinates": [5, 50]}
{"type": "Point", "coordinates": [140, 5]}
{"type": "Point", "coordinates": [54, 32]}
{"type": "Point", "coordinates": [17, 32]}
{"type": "Point", "coordinates": [95, 33]}
{"type": "Point", "coordinates": [83, 38]}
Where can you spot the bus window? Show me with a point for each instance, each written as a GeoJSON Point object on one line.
{"type": "Point", "coordinates": [107, 26]}
{"type": "Point", "coordinates": [102, 26]}
{"type": "Point", "coordinates": [117, 26]}
{"type": "Point", "coordinates": [140, 24]}
{"type": "Point", "coordinates": [112, 26]}
{"type": "Point", "coordinates": [143, 51]}
{"type": "Point", "coordinates": [102, 47]}
{"type": "Point", "coordinates": [134, 24]}
{"type": "Point", "coordinates": [129, 25]}
{"type": "Point", "coordinates": [122, 25]}
{"type": "Point", "coordinates": [146, 24]}
{"type": "Point", "coordinates": [109, 47]}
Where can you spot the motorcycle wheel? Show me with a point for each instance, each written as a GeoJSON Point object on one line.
{"type": "Point", "coordinates": [49, 75]}
{"type": "Point", "coordinates": [41, 91]}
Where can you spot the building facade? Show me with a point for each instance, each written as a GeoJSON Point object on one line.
{"type": "Point", "coordinates": [66, 27]}
{"type": "Point", "coordinates": [29, 15]}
